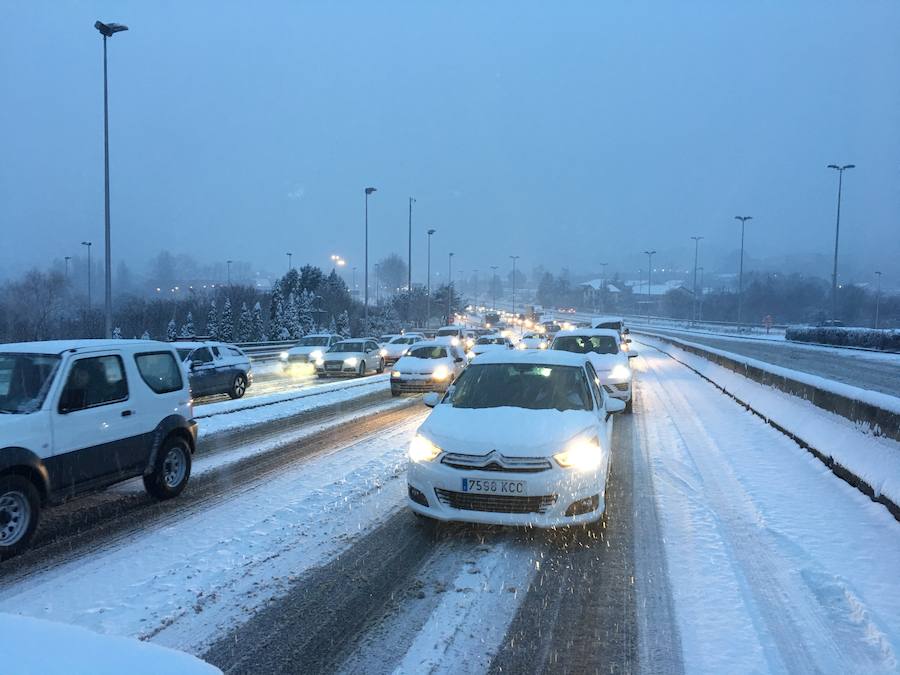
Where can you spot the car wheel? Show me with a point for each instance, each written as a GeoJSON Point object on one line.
{"type": "Point", "coordinates": [362, 369]}
{"type": "Point", "coordinates": [238, 386]}
{"type": "Point", "coordinates": [628, 406]}
{"type": "Point", "coordinates": [20, 510]}
{"type": "Point", "coordinates": [172, 470]}
{"type": "Point", "coordinates": [380, 369]}
{"type": "Point", "coordinates": [395, 392]}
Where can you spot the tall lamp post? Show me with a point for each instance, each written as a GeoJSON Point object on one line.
{"type": "Point", "coordinates": [700, 306]}
{"type": "Point", "coordinates": [377, 281]}
{"type": "Point", "coordinates": [696, 257]}
{"type": "Point", "coordinates": [514, 258]}
{"type": "Point", "coordinates": [449, 285]}
{"type": "Point", "coordinates": [412, 200]}
{"type": "Point", "coordinates": [290, 263]}
{"type": "Point", "coordinates": [743, 220]}
{"type": "Point", "coordinates": [649, 255]}
{"type": "Point", "coordinates": [877, 298]}
{"type": "Point", "coordinates": [494, 269]}
{"type": "Point", "coordinates": [88, 244]}
{"type": "Point", "coordinates": [228, 267]}
{"type": "Point", "coordinates": [837, 233]}
{"type": "Point", "coordinates": [368, 191]}
{"type": "Point", "coordinates": [428, 281]}
{"type": "Point", "coordinates": [68, 258]}
{"type": "Point", "coordinates": [107, 30]}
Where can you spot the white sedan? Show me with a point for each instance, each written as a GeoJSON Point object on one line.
{"type": "Point", "coordinates": [427, 366]}
{"type": "Point", "coordinates": [491, 343]}
{"type": "Point", "coordinates": [603, 348]}
{"type": "Point", "coordinates": [351, 357]}
{"type": "Point", "coordinates": [521, 438]}
{"type": "Point", "coordinates": [533, 341]}
{"type": "Point", "coordinates": [395, 348]}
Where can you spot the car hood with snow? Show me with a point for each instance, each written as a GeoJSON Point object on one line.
{"type": "Point", "coordinates": [482, 349]}
{"type": "Point", "coordinates": [514, 432]}
{"type": "Point", "coordinates": [409, 365]}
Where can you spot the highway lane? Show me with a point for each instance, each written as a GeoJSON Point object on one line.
{"type": "Point", "coordinates": [867, 370]}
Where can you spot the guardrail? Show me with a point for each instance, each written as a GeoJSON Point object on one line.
{"type": "Point", "coordinates": [265, 351]}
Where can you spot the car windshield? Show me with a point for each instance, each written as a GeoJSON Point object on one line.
{"type": "Point", "coordinates": [404, 340]}
{"type": "Point", "coordinates": [313, 341]}
{"type": "Point", "coordinates": [520, 385]}
{"type": "Point", "coordinates": [24, 380]}
{"type": "Point", "coordinates": [444, 332]}
{"type": "Point", "coordinates": [491, 341]}
{"type": "Point", "coordinates": [428, 353]}
{"type": "Point", "coordinates": [348, 347]}
{"type": "Point", "coordinates": [584, 344]}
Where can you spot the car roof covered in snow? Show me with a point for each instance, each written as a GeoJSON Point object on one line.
{"type": "Point", "coordinates": [544, 357]}
{"type": "Point", "coordinates": [608, 332]}
{"type": "Point", "coordinates": [61, 346]}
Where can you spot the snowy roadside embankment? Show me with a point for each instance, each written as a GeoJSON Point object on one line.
{"type": "Point", "coordinates": [850, 451]}
{"type": "Point", "coordinates": [877, 410]}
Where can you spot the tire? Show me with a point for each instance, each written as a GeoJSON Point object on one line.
{"type": "Point", "coordinates": [20, 511]}
{"type": "Point", "coordinates": [238, 386]}
{"type": "Point", "coordinates": [361, 371]}
{"type": "Point", "coordinates": [628, 406]}
{"type": "Point", "coordinates": [172, 470]}
{"type": "Point", "coordinates": [395, 392]}
{"type": "Point", "coordinates": [321, 376]}
{"type": "Point", "coordinates": [380, 368]}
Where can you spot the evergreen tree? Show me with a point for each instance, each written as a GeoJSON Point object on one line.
{"type": "Point", "coordinates": [332, 327]}
{"type": "Point", "coordinates": [245, 324]}
{"type": "Point", "coordinates": [305, 316]}
{"type": "Point", "coordinates": [292, 328]}
{"type": "Point", "coordinates": [117, 333]}
{"type": "Point", "coordinates": [343, 324]}
{"type": "Point", "coordinates": [187, 329]}
{"type": "Point", "coordinates": [146, 335]}
{"type": "Point", "coordinates": [259, 328]}
{"type": "Point", "coordinates": [171, 330]}
{"type": "Point", "coordinates": [212, 321]}
{"type": "Point", "coordinates": [226, 329]}
{"type": "Point", "coordinates": [276, 312]}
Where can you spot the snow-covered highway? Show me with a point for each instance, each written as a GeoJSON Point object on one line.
{"type": "Point", "coordinates": [727, 548]}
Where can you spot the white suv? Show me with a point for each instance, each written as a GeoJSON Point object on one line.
{"type": "Point", "coordinates": [81, 415]}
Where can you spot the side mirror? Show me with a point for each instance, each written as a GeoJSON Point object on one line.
{"type": "Point", "coordinates": [615, 406]}
{"type": "Point", "coordinates": [432, 398]}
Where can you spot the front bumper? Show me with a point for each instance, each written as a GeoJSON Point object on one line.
{"type": "Point", "coordinates": [343, 371]}
{"type": "Point", "coordinates": [414, 385]}
{"type": "Point", "coordinates": [549, 494]}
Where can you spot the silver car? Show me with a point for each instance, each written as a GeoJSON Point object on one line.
{"type": "Point", "coordinates": [354, 357]}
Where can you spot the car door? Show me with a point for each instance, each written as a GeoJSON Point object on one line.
{"type": "Point", "coordinates": [203, 372]}
{"type": "Point", "coordinates": [223, 369]}
{"type": "Point", "coordinates": [94, 435]}
{"type": "Point", "coordinates": [373, 355]}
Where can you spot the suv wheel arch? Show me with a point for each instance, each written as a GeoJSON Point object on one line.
{"type": "Point", "coordinates": [22, 462]}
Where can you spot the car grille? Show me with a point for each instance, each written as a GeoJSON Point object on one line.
{"type": "Point", "coordinates": [418, 385]}
{"type": "Point", "coordinates": [465, 501]}
{"type": "Point", "coordinates": [494, 461]}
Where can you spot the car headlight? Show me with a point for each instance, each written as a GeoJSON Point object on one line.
{"type": "Point", "coordinates": [455, 342]}
{"type": "Point", "coordinates": [521, 345]}
{"type": "Point", "coordinates": [320, 361]}
{"type": "Point", "coordinates": [283, 356]}
{"type": "Point", "coordinates": [441, 372]}
{"type": "Point", "coordinates": [620, 372]}
{"type": "Point", "coordinates": [422, 450]}
{"type": "Point", "coordinates": [582, 454]}
{"type": "Point", "coordinates": [396, 373]}
{"type": "Point", "coordinates": [316, 354]}
{"type": "Point", "coordinates": [543, 345]}
{"type": "Point", "coordinates": [383, 352]}
{"type": "Point", "coordinates": [352, 361]}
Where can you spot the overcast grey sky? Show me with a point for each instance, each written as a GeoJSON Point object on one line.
{"type": "Point", "coordinates": [567, 133]}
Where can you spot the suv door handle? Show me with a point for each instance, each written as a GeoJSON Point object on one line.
{"type": "Point", "coordinates": [127, 413]}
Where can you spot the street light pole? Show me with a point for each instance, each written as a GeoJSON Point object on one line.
{"type": "Point", "coordinates": [428, 281]}
{"type": "Point", "coordinates": [514, 258]}
{"type": "Point", "coordinates": [877, 298]}
{"type": "Point", "coordinates": [107, 30]}
{"type": "Point", "coordinates": [449, 285]}
{"type": "Point", "coordinates": [368, 191]}
{"type": "Point", "coordinates": [68, 258]}
{"type": "Point", "coordinates": [377, 282]}
{"type": "Point", "coordinates": [228, 265]}
{"type": "Point", "coordinates": [494, 269]}
{"type": "Point", "coordinates": [700, 307]}
{"type": "Point", "coordinates": [649, 270]}
{"type": "Point", "coordinates": [837, 234]}
{"type": "Point", "coordinates": [88, 244]}
{"type": "Point", "coordinates": [743, 220]}
{"type": "Point", "coordinates": [696, 256]}
{"type": "Point", "coordinates": [412, 200]}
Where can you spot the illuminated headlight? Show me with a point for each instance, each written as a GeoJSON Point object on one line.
{"type": "Point", "coordinates": [320, 361]}
{"type": "Point", "coordinates": [582, 454]}
{"type": "Point", "coordinates": [396, 373]}
{"type": "Point", "coordinates": [543, 345]}
{"type": "Point", "coordinates": [283, 356]}
{"type": "Point", "coordinates": [441, 373]}
{"type": "Point", "coordinates": [352, 361]}
{"type": "Point", "coordinates": [624, 346]}
{"type": "Point", "coordinates": [383, 352]}
{"type": "Point", "coordinates": [316, 354]}
{"type": "Point", "coordinates": [470, 342]}
{"type": "Point", "coordinates": [620, 372]}
{"type": "Point", "coordinates": [521, 345]}
{"type": "Point", "coordinates": [455, 342]}
{"type": "Point", "coordinates": [422, 450]}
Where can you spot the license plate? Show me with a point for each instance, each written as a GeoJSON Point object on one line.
{"type": "Point", "coordinates": [333, 366]}
{"type": "Point", "coordinates": [490, 486]}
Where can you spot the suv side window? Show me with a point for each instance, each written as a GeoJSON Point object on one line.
{"type": "Point", "coordinates": [371, 346]}
{"type": "Point", "coordinates": [92, 382]}
{"type": "Point", "coordinates": [160, 371]}
{"type": "Point", "coordinates": [202, 355]}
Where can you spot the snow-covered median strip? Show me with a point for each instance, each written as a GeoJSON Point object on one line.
{"type": "Point", "coordinates": [876, 460]}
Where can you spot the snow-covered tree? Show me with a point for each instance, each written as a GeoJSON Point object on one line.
{"type": "Point", "coordinates": [145, 335]}
{"type": "Point", "coordinates": [117, 333]}
{"type": "Point", "coordinates": [332, 326]}
{"type": "Point", "coordinates": [212, 321]}
{"type": "Point", "coordinates": [187, 329]}
{"type": "Point", "coordinates": [245, 324]}
{"type": "Point", "coordinates": [292, 327]}
{"type": "Point", "coordinates": [226, 327]}
{"type": "Point", "coordinates": [259, 327]}
{"type": "Point", "coordinates": [277, 322]}
{"type": "Point", "coordinates": [171, 330]}
{"type": "Point", "coordinates": [343, 324]}
{"type": "Point", "coordinates": [305, 316]}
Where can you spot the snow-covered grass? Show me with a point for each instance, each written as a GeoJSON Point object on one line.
{"type": "Point", "coordinates": [775, 564]}
{"type": "Point", "coordinates": [875, 459]}
{"type": "Point", "coordinates": [215, 419]}
{"type": "Point", "coordinates": [50, 648]}
{"type": "Point", "coordinates": [183, 582]}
